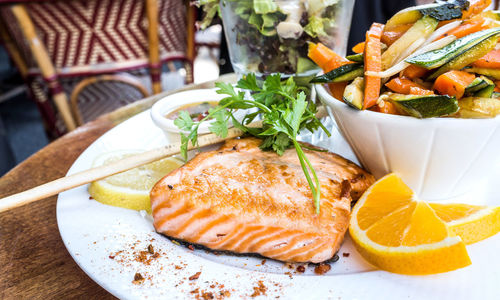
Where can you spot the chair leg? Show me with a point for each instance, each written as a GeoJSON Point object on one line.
{"type": "Point", "coordinates": [13, 51]}
{"type": "Point", "coordinates": [42, 58]}
{"type": "Point", "coordinates": [190, 50]}
{"type": "Point", "coordinates": [154, 45]}
{"type": "Point", "coordinates": [45, 108]}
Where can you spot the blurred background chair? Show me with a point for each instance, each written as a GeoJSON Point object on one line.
{"type": "Point", "coordinates": [83, 58]}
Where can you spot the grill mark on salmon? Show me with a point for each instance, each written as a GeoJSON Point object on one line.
{"type": "Point", "coordinates": [281, 241]}
{"type": "Point", "coordinates": [300, 255]}
{"type": "Point", "coordinates": [218, 222]}
{"type": "Point", "coordinates": [247, 235]}
{"type": "Point", "coordinates": [254, 238]}
{"type": "Point", "coordinates": [169, 217]}
{"type": "Point", "coordinates": [243, 200]}
{"type": "Point", "coordinates": [281, 251]}
{"type": "Point", "coordinates": [260, 243]}
{"type": "Point", "coordinates": [220, 244]}
{"type": "Point", "coordinates": [193, 218]}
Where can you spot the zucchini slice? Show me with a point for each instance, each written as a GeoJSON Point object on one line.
{"type": "Point", "coordinates": [356, 57]}
{"type": "Point", "coordinates": [495, 73]}
{"type": "Point", "coordinates": [436, 58]}
{"type": "Point", "coordinates": [423, 28]}
{"type": "Point", "coordinates": [487, 92]}
{"type": "Point", "coordinates": [427, 106]}
{"type": "Point", "coordinates": [343, 73]}
{"type": "Point", "coordinates": [492, 14]}
{"type": "Point", "coordinates": [473, 107]}
{"type": "Point", "coordinates": [478, 84]}
{"type": "Point", "coordinates": [442, 11]}
{"type": "Point", "coordinates": [469, 56]}
{"type": "Point", "coordinates": [497, 13]}
{"type": "Point", "coordinates": [354, 93]}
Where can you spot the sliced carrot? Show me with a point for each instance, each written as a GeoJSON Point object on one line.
{"type": "Point", "coordinates": [386, 107]}
{"type": "Point", "coordinates": [320, 54]}
{"type": "Point", "coordinates": [359, 48]}
{"type": "Point", "coordinates": [373, 63]}
{"type": "Point", "coordinates": [414, 71]}
{"type": "Point", "coordinates": [337, 89]}
{"type": "Point", "coordinates": [325, 58]}
{"type": "Point", "coordinates": [334, 63]}
{"type": "Point", "coordinates": [497, 86]}
{"type": "Point", "coordinates": [490, 60]}
{"type": "Point", "coordinates": [475, 24]}
{"type": "Point", "coordinates": [476, 7]}
{"type": "Point", "coordinates": [389, 37]}
{"type": "Point", "coordinates": [328, 60]}
{"type": "Point", "coordinates": [466, 29]}
{"type": "Point", "coordinates": [414, 90]}
{"type": "Point", "coordinates": [453, 83]}
{"type": "Point", "coordinates": [406, 86]}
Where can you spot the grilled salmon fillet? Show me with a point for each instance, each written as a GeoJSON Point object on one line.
{"type": "Point", "coordinates": [245, 200]}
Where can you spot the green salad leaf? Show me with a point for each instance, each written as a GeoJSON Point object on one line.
{"type": "Point", "coordinates": [283, 109]}
{"type": "Point", "coordinates": [316, 26]}
{"type": "Point", "coordinates": [210, 9]}
{"type": "Point", "coordinates": [264, 6]}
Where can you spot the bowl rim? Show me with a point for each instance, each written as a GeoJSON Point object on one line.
{"type": "Point", "coordinates": [333, 102]}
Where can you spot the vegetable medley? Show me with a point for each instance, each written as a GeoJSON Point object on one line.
{"type": "Point", "coordinates": [436, 60]}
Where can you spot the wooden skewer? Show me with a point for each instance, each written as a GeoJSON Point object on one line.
{"type": "Point", "coordinates": [66, 183]}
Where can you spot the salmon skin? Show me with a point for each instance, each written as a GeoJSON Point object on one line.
{"type": "Point", "coordinates": [245, 200]}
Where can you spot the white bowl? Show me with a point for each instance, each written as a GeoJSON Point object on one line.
{"type": "Point", "coordinates": [439, 158]}
{"type": "Point", "coordinates": [172, 102]}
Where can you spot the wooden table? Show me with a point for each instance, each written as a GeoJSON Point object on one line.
{"type": "Point", "coordinates": [34, 262]}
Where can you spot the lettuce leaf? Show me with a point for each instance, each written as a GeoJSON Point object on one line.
{"type": "Point", "coordinates": [266, 24]}
{"type": "Point", "coordinates": [210, 9]}
{"type": "Point", "coordinates": [316, 7]}
{"type": "Point", "coordinates": [264, 6]}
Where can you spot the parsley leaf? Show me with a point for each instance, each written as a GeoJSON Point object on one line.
{"type": "Point", "coordinates": [249, 82]}
{"type": "Point", "coordinates": [283, 109]}
{"type": "Point", "coordinates": [219, 126]}
{"type": "Point", "coordinates": [184, 121]}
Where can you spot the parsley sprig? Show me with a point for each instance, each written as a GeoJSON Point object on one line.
{"type": "Point", "coordinates": [283, 109]}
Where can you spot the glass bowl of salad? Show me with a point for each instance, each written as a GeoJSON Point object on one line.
{"type": "Point", "coordinates": [272, 36]}
{"type": "Point", "coordinates": [422, 98]}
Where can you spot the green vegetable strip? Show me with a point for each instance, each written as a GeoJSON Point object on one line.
{"type": "Point", "coordinates": [316, 187]}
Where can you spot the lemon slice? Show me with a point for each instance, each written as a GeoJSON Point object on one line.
{"type": "Point", "coordinates": [396, 232]}
{"type": "Point", "coordinates": [130, 189]}
{"type": "Point", "coordinates": [472, 223]}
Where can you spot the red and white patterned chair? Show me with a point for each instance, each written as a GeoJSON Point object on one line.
{"type": "Point", "coordinates": [80, 50]}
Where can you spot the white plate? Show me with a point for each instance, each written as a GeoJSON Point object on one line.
{"type": "Point", "coordinates": [92, 232]}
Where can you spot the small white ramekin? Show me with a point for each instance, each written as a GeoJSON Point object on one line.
{"type": "Point", "coordinates": [173, 102]}
{"type": "Point", "coordinates": [439, 158]}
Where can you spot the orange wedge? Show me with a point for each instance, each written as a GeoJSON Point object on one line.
{"type": "Point", "coordinates": [396, 232]}
{"type": "Point", "coordinates": [472, 223]}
